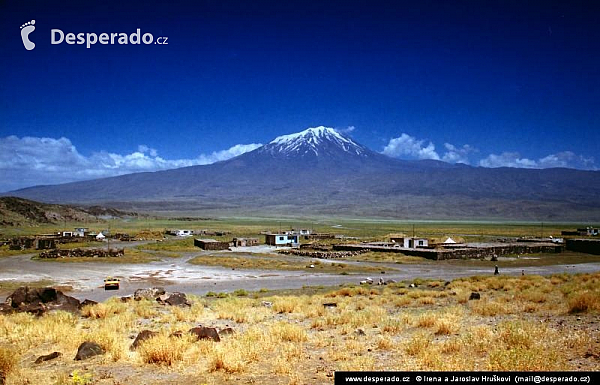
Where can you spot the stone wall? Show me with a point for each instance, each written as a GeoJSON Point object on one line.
{"type": "Point", "coordinates": [462, 253]}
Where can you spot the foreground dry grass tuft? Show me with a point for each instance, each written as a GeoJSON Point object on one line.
{"type": "Point", "coordinates": [520, 323]}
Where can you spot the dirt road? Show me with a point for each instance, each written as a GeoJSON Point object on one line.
{"type": "Point", "coordinates": [175, 274]}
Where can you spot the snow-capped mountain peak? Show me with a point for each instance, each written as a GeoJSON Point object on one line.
{"type": "Point", "coordinates": [314, 140]}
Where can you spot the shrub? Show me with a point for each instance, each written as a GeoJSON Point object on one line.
{"type": "Point", "coordinates": [417, 344]}
{"type": "Point", "coordinates": [583, 302]}
{"type": "Point", "coordinates": [8, 361]}
{"type": "Point", "coordinates": [162, 350]}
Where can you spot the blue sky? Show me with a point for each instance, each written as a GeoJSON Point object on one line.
{"type": "Point", "coordinates": [488, 84]}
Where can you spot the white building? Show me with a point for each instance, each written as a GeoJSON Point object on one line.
{"type": "Point", "coordinates": [410, 242]}
{"type": "Point", "coordinates": [282, 239]}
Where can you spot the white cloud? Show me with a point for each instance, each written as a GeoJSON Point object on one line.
{"type": "Point", "coordinates": [406, 145]}
{"type": "Point", "coordinates": [457, 154]}
{"type": "Point", "coordinates": [566, 159]}
{"type": "Point", "coordinates": [30, 161]}
{"type": "Point", "coordinates": [346, 130]}
{"type": "Point", "coordinates": [236, 150]}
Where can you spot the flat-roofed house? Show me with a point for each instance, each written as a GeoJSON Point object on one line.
{"type": "Point", "coordinates": [282, 239]}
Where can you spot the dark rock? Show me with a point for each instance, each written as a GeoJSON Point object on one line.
{"type": "Point", "coordinates": [174, 299]}
{"type": "Point", "coordinates": [142, 336]}
{"type": "Point", "coordinates": [127, 298]}
{"type": "Point", "coordinates": [26, 295]}
{"type": "Point", "coordinates": [88, 349]}
{"type": "Point", "coordinates": [65, 303]}
{"type": "Point", "coordinates": [204, 333]}
{"type": "Point", "coordinates": [330, 304]}
{"type": "Point", "coordinates": [176, 334]}
{"type": "Point", "coordinates": [39, 300]}
{"type": "Point", "coordinates": [33, 308]}
{"type": "Point", "coordinates": [87, 302]}
{"type": "Point", "coordinates": [474, 296]}
{"type": "Point", "coordinates": [48, 357]}
{"type": "Point", "coordinates": [226, 331]}
{"type": "Point", "coordinates": [150, 293]}
{"type": "Point", "coordinates": [6, 308]}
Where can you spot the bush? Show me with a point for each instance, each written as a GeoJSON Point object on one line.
{"type": "Point", "coordinates": [240, 293]}
{"type": "Point", "coordinates": [162, 350]}
{"type": "Point", "coordinates": [583, 302]}
{"type": "Point", "coordinates": [8, 361]}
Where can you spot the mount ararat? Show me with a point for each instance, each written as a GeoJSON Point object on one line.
{"type": "Point", "coordinates": [320, 171]}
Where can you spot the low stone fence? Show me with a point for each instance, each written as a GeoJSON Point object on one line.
{"type": "Point", "coordinates": [473, 252]}
{"type": "Point", "coordinates": [82, 253]}
{"type": "Point", "coordinates": [324, 254]}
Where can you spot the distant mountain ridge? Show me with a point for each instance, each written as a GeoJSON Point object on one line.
{"type": "Point", "coordinates": [322, 171]}
{"type": "Point", "coordinates": [24, 212]}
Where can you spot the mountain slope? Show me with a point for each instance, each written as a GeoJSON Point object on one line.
{"type": "Point", "coordinates": [322, 171]}
{"type": "Point", "coordinates": [21, 212]}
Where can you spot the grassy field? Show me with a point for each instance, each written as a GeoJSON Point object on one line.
{"type": "Point", "coordinates": [363, 227]}
{"type": "Point", "coordinates": [520, 323]}
{"type": "Point", "coordinates": [275, 262]}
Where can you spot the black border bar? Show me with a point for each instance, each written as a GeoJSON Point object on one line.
{"type": "Point", "coordinates": [493, 378]}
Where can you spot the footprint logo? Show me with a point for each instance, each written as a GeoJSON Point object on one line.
{"type": "Point", "coordinates": [26, 29]}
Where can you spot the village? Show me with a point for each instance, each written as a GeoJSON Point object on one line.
{"type": "Point", "coordinates": [309, 243]}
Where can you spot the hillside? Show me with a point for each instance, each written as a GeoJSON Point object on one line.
{"type": "Point", "coordinates": [320, 171]}
{"type": "Point", "coordinates": [23, 212]}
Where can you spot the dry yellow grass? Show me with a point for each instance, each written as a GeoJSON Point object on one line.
{"type": "Point", "coordinates": [521, 323]}
{"type": "Point", "coordinates": [584, 301]}
{"type": "Point", "coordinates": [9, 360]}
{"type": "Point", "coordinates": [163, 350]}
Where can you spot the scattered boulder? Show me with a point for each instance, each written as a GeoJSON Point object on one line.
{"type": "Point", "coordinates": [127, 298]}
{"type": "Point", "coordinates": [27, 295]}
{"type": "Point", "coordinates": [6, 308]}
{"type": "Point", "coordinates": [48, 357]}
{"type": "Point", "coordinates": [474, 296]}
{"type": "Point", "coordinates": [87, 350]}
{"type": "Point", "coordinates": [150, 293]}
{"type": "Point", "coordinates": [226, 332]}
{"type": "Point", "coordinates": [40, 300]}
{"type": "Point", "coordinates": [329, 304]}
{"type": "Point", "coordinates": [88, 302]}
{"type": "Point", "coordinates": [267, 304]}
{"type": "Point", "coordinates": [142, 336]}
{"type": "Point", "coordinates": [360, 332]}
{"type": "Point", "coordinates": [176, 334]}
{"type": "Point", "coordinates": [174, 299]}
{"type": "Point", "coordinates": [33, 308]}
{"type": "Point", "coordinates": [204, 333]}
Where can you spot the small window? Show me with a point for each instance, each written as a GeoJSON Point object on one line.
{"type": "Point", "coordinates": [420, 243]}
{"type": "Point", "coordinates": [281, 238]}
